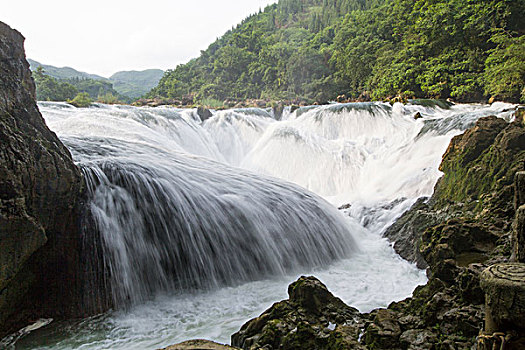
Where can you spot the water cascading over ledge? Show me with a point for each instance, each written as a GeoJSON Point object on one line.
{"type": "Point", "coordinates": [172, 212]}
{"type": "Point", "coordinates": [169, 221]}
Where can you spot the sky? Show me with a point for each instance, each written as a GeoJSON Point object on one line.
{"type": "Point", "coordinates": [105, 36]}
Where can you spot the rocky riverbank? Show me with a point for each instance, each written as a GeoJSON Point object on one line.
{"type": "Point", "coordinates": [40, 191]}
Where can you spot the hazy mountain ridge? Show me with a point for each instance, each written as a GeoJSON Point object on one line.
{"type": "Point", "coordinates": [132, 84]}
{"type": "Point", "coordinates": [63, 72]}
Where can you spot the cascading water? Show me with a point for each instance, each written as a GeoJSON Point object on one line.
{"type": "Point", "coordinates": [189, 212]}
{"type": "Point", "coordinates": [170, 222]}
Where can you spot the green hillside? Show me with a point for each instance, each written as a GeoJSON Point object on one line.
{"type": "Point", "coordinates": [136, 83]}
{"type": "Point", "coordinates": [318, 49]}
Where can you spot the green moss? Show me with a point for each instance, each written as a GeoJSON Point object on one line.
{"type": "Point", "coordinates": [477, 182]}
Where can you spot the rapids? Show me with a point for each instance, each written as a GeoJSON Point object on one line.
{"type": "Point", "coordinates": [204, 224]}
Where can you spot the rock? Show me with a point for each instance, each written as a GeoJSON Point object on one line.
{"type": "Point", "coordinates": [479, 168]}
{"type": "Point", "coordinates": [199, 344]}
{"type": "Point", "coordinates": [518, 236]}
{"type": "Point", "coordinates": [312, 318]}
{"type": "Point", "coordinates": [473, 142]}
{"type": "Point", "coordinates": [384, 331]}
{"type": "Point", "coordinates": [40, 190]}
{"type": "Point", "coordinates": [345, 206]}
{"type": "Point", "coordinates": [415, 339]}
{"type": "Point", "coordinates": [204, 113]}
{"type": "Point", "coordinates": [417, 116]}
{"type": "Point", "coordinates": [293, 108]}
{"type": "Point", "coordinates": [464, 320]}
{"type": "Point", "coordinates": [504, 287]}
{"type": "Point", "coordinates": [278, 110]}
{"type": "Point", "coordinates": [406, 232]}
{"type": "Point", "coordinates": [519, 189]}
{"type": "Point", "coordinates": [457, 242]}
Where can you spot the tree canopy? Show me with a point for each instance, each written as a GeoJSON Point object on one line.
{"type": "Point", "coordinates": [467, 50]}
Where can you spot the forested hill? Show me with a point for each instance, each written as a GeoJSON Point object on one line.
{"type": "Point", "coordinates": [468, 50]}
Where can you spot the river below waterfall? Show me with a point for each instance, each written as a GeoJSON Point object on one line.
{"type": "Point", "coordinates": [203, 224]}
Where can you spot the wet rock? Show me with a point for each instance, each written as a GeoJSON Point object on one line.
{"type": "Point", "coordinates": [457, 242]}
{"type": "Point", "coordinates": [384, 331]}
{"type": "Point", "coordinates": [199, 344]}
{"type": "Point", "coordinates": [417, 116]}
{"type": "Point", "coordinates": [204, 113]}
{"type": "Point", "coordinates": [464, 320]}
{"type": "Point", "coordinates": [40, 189]}
{"type": "Point", "coordinates": [312, 318]}
{"type": "Point", "coordinates": [415, 339]}
{"type": "Point", "coordinates": [278, 109]}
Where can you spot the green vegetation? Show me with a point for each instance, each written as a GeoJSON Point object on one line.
{"type": "Point", "coordinates": [81, 100]}
{"type": "Point", "coordinates": [49, 88]}
{"type": "Point", "coordinates": [315, 50]}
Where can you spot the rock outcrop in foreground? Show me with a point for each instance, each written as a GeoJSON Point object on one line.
{"type": "Point", "coordinates": [465, 227]}
{"type": "Point", "coordinates": [312, 318]}
{"type": "Point", "coordinates": [39, 194]}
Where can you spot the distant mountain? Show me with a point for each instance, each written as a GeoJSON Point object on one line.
{"type": "Point", "coordinates": [136, 83]}
{"type": "Point", "coordinates": [64, 72]}
{"type": "Point", "coordinates": [132, 84]}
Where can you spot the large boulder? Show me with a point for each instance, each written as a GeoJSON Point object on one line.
{"type": "Point", "coordinates": [40, 189]}
{"type": "Point", "coordinates": [478, 185]}
{"type": "Point", "coordinates": [312, 318]}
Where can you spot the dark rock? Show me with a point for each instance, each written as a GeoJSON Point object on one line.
{"type": "Point", "coordinates": [407, 230]}
{"type": "Point", "coordinates": [418, 116]}
{"type": "Point", "coordinates": [199, 344]}
{"type": "Point", "coordinates": [40, 189]}
{"type": "Point", "coordinates": [384, 331]}
{"type": "Point", "coordinates": [345, 206]}
{"type": "Point", "coordinates": [468, 146]}
{"type": "Point", "coordinates": [204, 113]}
{"type": "Point", "coordinates": [415, 339]}
{"type": "Point", "coordinates": [479, 168]}
{"type": "Point", "coordinates": [519, 189]}
{"type": "Point", "coordinates": [312, 318]}
{"type": "Point", "coordinates": [278, 110]}
{"type": "Point", "coordinates": [293, 108]}
{"type": "Point", "coordinates": [518, 236]}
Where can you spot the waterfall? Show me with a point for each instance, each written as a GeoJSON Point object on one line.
{"type": "Point", "coordinates": [180, 204]}
{"type": "Point", "coordinates": [200, 226]}
{"type": "Point", "coordinates": [170, 221]}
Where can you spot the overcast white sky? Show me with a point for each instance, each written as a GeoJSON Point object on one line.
{"type": "Point", "coordinates": [106, 36]}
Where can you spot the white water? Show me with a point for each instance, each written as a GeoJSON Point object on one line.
{"type": "Point", "coordinates": [376, 157]}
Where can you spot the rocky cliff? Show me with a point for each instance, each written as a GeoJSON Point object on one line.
{"type": "Point", "coordinates": [40, 189]}
{"type": "Point", "coordinates": [465, 227]}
